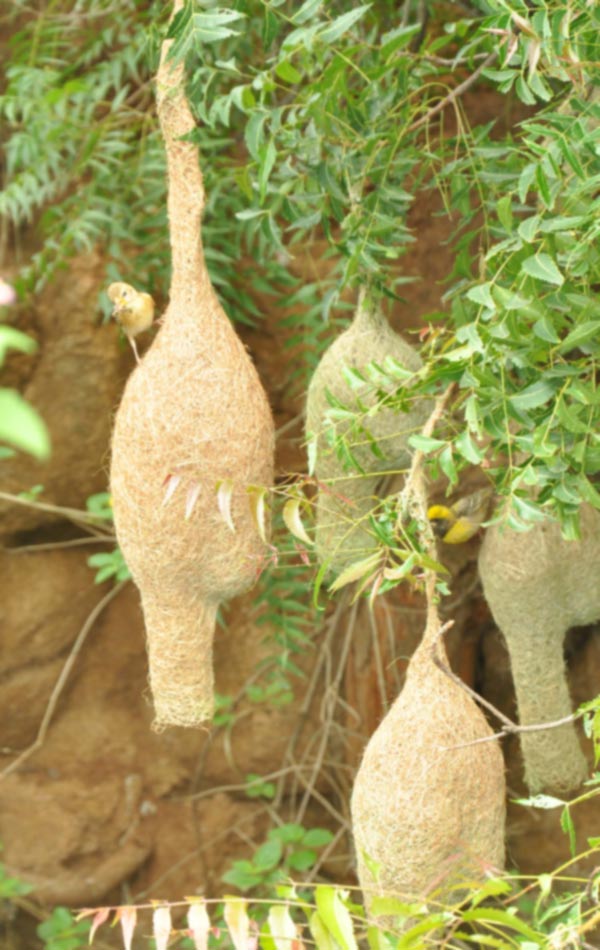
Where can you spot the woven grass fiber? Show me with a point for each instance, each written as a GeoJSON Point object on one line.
{"type": "Point", "coordinates": [348, 497]}
{"type": "Point", "coordinates": [428, 812]}
{"type": "Point", "coordinates": [538, 586]}
{"type": "Point", "coordinates": [194, 410]}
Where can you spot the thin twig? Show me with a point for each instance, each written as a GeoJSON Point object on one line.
{"type": "Point", "coordinates": [330, 695]}
{"type": "Point", "coordinates": [62, 679]}
{"type": "Point", "coordinates": [52, 509]}
{"type": "Point", "coordinates": [508, 726]}
{"type": "Point", "coordinates": [57, 545]}
{"type": "Point", "coordinates": [454, 94]}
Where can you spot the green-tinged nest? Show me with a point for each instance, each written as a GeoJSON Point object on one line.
{"type": "Point", "coordinates": [349, 495]}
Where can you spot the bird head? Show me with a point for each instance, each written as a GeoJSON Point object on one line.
{"type": "Point", "coordinates": [441, 519]}
{"type": "Point", "coordinates": [121, 294]}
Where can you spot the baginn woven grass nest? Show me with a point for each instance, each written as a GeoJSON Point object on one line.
{"type": "Point", "coordinates": [428, 805]}
{"type": "Point", "coordinates": [193, 416]}
{"type": "Point", "coordinates": [347, 497]}
{"type": "Point", "coordinates": [538, 586]}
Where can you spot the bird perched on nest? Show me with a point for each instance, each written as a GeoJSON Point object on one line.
{"type": "Point", "coordinates": [459, 522]}
{"type": "Point", "coordinates": [132, 309]}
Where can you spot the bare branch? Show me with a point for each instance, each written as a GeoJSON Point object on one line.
{"type": "Point", "coordinates": [508, 726]}
{"type": "Point", "coordinates": [454, 94]}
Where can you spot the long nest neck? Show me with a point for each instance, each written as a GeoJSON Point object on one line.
{"type": "Point", "coordinates": [368, 316]}
{"type": "Point", "coordinates": [185, 184]}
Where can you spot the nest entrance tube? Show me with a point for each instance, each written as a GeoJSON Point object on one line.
{"type": "Point", "coordinates": [193, 417]}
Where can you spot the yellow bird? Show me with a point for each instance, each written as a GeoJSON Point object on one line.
{"type": "Point", "coordinates": [132, 309]}
{"type": "Point", "coordinates": [459, 522]}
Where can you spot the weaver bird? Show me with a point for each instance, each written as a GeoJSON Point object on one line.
{"type": "Point", "coordinates": [132, 309]}
{"type": "Point", "coordinates": [459, 522]}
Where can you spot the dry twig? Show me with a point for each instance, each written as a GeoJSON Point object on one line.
{"type": "Point", "coordinates": [508, 726]}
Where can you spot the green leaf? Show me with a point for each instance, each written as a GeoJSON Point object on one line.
{"type": "Point", "coordinates": [581, 334]}
{"type": "Point", "coordinates": [335, 916]}
{"type": "Point", "coordinates": [447, 465]}
{"type": "Point", "coordinates": [268, 855]}
{"type": "Point", "coordinates": [341, 24]}
{"type": "Point", "coordinates": [267, 156]}
{"type": "Point", "coordinates": [243, 876]}
{"type": "Point", "coordinates": [493, 916]}
{"type": "Point", "coordinates": [321, 936]}
{"type": "Point", "coordinates": [525, 181]}
{"type": "Point", "coordinates": [529, 227]}
{"type": "Point", "coordinates": [504, 211]}
{"type": "Point", "coordinates": [289, 833]}
{"type": "Point", "coordinates": [287, 72]}
{"type": "Point", "coordinates": [566, 823]}
{"type": "Point", "coordinates": [302, 860]}
{"type": "Point", "coordinates": [100, 505]}
{"type": "Point", "coordinates": [425, 443]}
{"type": "Point", "coordinates": [466, 447]}
{"type": "Point", "coordinates": [543, 186]}
{"type": "Point", "coordinates": [308, 9]}
{"type": "Point", "coordinates": [21, 426]}
{"type": "Point", "coordinates": [11, 339]}
{"type": "Point", "coordinates": [482, 294]}
{"type": "Point", "coordinates": [257, 787]}
{"type": "Point", "coordinates": [534, 395]}
{"type": "Point", "coordinates": [253, 136]}
{"type": "Point", "coordinates": [544, 330]}
{"type": "Point", "coordinates": [191, 30]}
{"type": "Point", "coordinates": [317, 838]}
{"type": "Point", "coordinates": [542, 267]}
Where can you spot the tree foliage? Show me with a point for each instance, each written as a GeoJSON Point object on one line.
{"type": "Point", "coordinates": [316, 121]}
{"type": "Point", "coordinates": [324, 121]}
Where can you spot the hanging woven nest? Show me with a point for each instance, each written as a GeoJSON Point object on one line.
{"type": "Point", "coordinates": [538, 586]}
{"type": "Point", "coordinates": [193, 433]}
{"type": "Point", "coordinates": [377, 438]}
{"type": "Point", "coordinates": [428, 809]}
{"type": "Point", "coordinates": [428, 804]}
